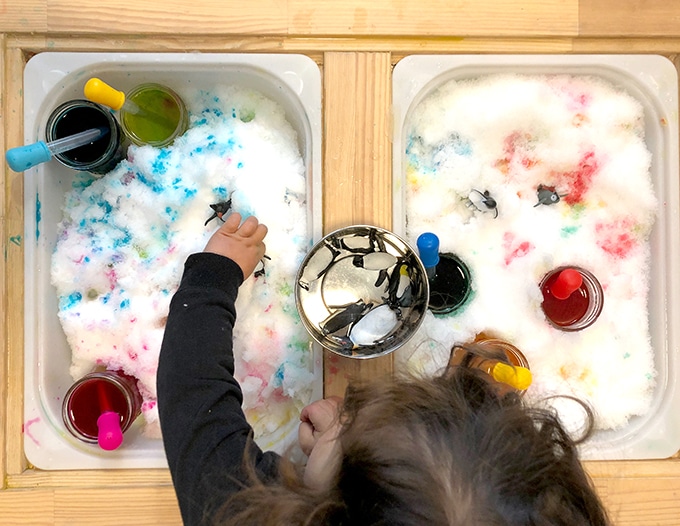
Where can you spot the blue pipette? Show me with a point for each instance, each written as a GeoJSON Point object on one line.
{"type": "Point", "coordinates": [428, 250]}
{"type": "Point", "coordinates": [24, 157]}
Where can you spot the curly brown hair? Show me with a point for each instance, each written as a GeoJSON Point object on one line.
{"type": "Point", "coordinates": [448, 450]}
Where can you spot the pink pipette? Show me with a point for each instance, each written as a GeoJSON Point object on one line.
{"type": "Point", "coordinates": [568, 281]}
{"type": "Point", "coordinates": [110, 435]}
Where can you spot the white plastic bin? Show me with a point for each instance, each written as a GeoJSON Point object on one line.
{"type": "Point", "coordinates": [293, 81]}
{"type": "Point", "coordinates": [652, 80]}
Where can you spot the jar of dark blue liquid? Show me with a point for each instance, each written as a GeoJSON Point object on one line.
{"type": "Point", "coordinates": [99, 156]}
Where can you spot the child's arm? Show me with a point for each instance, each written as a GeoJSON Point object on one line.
{"type": "Point", "coordinates": [204, 429]}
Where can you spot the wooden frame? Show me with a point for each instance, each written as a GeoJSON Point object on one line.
{"type": "Point", "coordinates": [356, 51]}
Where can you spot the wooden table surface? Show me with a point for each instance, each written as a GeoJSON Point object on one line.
{"type": "Point", "coordinates": [356, 45]}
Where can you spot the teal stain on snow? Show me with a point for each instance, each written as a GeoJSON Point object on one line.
{"type": "Point", "coordinates": [568, 231]}
{"type": "Point", "coordinates": [67, 302]}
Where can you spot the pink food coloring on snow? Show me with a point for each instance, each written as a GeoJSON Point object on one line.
{"type": "Point", "coordinates": [617, 238]}
{"type": "Point", "coordinates": [514, 250]}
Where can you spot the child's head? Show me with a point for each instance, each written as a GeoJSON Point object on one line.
{"type": "Point", "coordinates": [442, 451]}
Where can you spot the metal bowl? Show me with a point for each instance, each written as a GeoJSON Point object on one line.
{"type": "Point", "coordinates": [361, 292]}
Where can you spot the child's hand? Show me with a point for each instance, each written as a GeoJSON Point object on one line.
{"type": "Point", "coordinates": [317, 434]}
{"type": "Point", "coordinates": [243, 244]}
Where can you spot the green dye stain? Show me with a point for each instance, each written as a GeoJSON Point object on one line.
{"type": "Point", "coordinates": [568, 231]}
{"type": "Point", "coordinates": [246, 115]}
{"type": "Point", "coordinates": [142, 253]}
{"type": "Point", "coordinates": [16, 240]}
{"type": "Point", "coordinates": [627, 355]}
{"type": "Point", "coordinates": [159, 118]}
{"type": "Point", "coordinates": [577, 210]}
{"type": "Point", "coordinates": [286, 289]}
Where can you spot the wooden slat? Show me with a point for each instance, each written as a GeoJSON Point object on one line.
{"type": "Point", "coordinates": [90, 478]}
{"type": "Point", "coordinates": [23, 16]}
{"type": "Point", "coordinates": [311, 17]}
{"type": "Point", "coordinates": [4, 240]}
{"type": "Point", "coordinates": [264, 17]}
{"type": "Point", "coordinates": [629, 18]}
{"type": "Point", "coordinates": [14, 261]}
{"type": "Point", "coordinates": [434, 18]}
{"type": "Point", "coordinates": [357, 169]}
{"type": "Point", "coordinates": [313, 47]}
{"type": "Point", "coordinates": [101, 506]}
{"type": "Point", "coordinates": [641, 502]}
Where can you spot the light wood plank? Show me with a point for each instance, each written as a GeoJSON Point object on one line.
{"type": "Point", "coordinates": [23, 16]}
{"type": "Point", "coordinates": [20, 507]}
{"type": "Point", "coordinates": [357, 169]}
{"type": "Point", "coordinates": [626, 18]}
{"type": "Point", "coordinates": [434, 18]}
{"type": "Point", "coordinates": [138, 506]}
{"type": "Point", "coordinates": [264, 17]}
{"type": "Point", "coordinates": [101, 506]}
{"type": "Point", "coordinates": [313, 47]}
{"type": "Point", "coordinates": [310, 17]}
{"type": "Point", "coordinates": [90, 478]}
{"type": "Point", "coordinates": [14, 261]}
{"type": "Point", "coordinates": [641, 502]}
{"type": "Point", "coordinates": [4, 240]}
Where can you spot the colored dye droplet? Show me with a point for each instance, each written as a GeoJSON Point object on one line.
{"type": "Point", "coordinates": [572, 298]}
{"type": "Point", "coordinates": [98, 156]}
{"type": "Point", "coordinates": [84, 407]}
{"type": "Point", "coordinates": [513, 376]}
{"type": "Point", "coordinates": [450, 286]}
{"type": "Point", "coordinates": [94, 395]}
{"type": "Point", "coordinates": [162, 117]}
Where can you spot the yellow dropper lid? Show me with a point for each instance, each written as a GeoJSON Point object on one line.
{"type": "Point", "coordinates": [515, 376]}
{"type": "Point", "coordinates": [99, 91]}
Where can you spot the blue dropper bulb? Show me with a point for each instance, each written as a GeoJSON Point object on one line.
{"type": "Point", "coordinates": [24, 157]}
{"type": "Point", "coordinates": [428, 250]}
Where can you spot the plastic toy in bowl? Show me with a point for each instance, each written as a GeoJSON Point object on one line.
{"type": "Point", "coordinates": [361, 292]}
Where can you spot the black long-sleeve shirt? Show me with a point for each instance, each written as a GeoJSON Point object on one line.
{"type": "Point", "coordinates": [204, 429]}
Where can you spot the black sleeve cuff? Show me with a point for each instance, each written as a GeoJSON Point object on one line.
{"type": "Point", "coordinates": [208, 270]}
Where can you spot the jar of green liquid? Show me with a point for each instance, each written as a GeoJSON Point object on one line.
{"type": "Point", "coordinates": [159, 115]}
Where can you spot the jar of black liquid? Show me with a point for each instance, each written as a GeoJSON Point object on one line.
{"type": "Point", "coordinates": [101, 155]}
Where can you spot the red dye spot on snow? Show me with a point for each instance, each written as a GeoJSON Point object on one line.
{"type": "Point", "coordinates": [576, 183]}
{"type": "Point", "coordinates": [516, 150]}
{"type": "Point", "coordinates": [513, 249]}
{"type": "Point", "coordinates": [127, 178]}
{"type": "Point", "coordinates": [268, 308]}
{"type": "Point", "coordinates": [133, 355]}
{"type": "Point", "coordinates": [617, 238]}
{"type": "Point", "coordinates": [148, 405]}
{"type": "Point", "coordinates": [112, 277]}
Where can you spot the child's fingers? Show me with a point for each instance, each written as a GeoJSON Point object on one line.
{"type": "Point", "coordinates": [249, 226]}
{"type": "Point", "coordinates": [253, 229]}
{"type": "Point", "coordinates": [260, 232]}
{"type": "Point", "coordinates": [232, 223]}
{"type": "Point", "coordinates": [306, 437]}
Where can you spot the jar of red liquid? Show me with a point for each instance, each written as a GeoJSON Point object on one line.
{"type": "Point", "coordinates": [512, 376]}
{"type": "Point", "coordinates": [572, 298]}
{"type": "Point", "coordinates": [99, 407]}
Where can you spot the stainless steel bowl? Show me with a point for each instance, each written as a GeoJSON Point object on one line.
{"type": "Point", "coordinates": [361, 292]}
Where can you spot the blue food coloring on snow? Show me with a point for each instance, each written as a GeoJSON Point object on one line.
{"type": "Point", "coordinates": [68, 302]}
